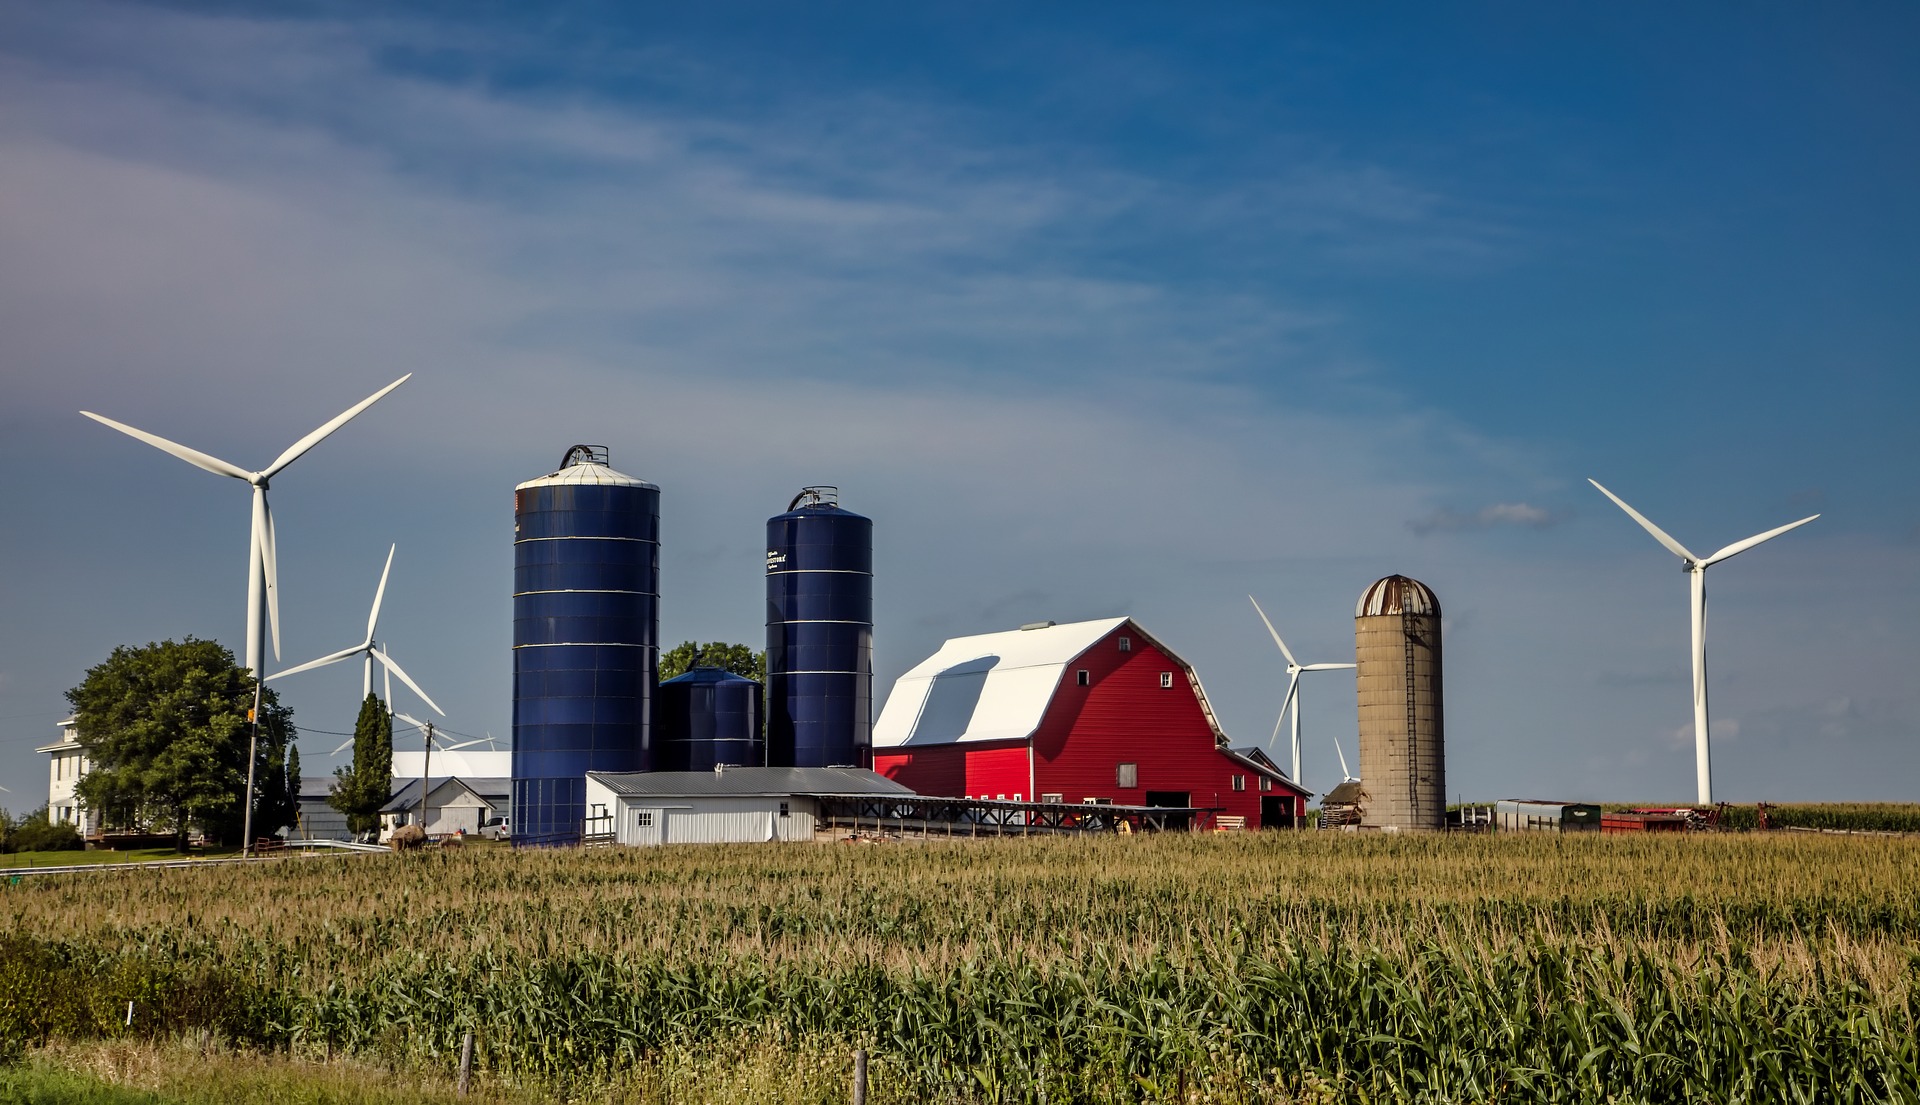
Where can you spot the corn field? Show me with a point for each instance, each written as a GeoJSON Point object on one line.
{"type": "Point", "coordinates": [1274, 967]}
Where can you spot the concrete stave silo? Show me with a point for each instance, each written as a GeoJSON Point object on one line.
{"type": "Point", "coordinates": [819, 634]}
{"type": "Point", "coordinates": [585, 636]}
{"type": "Point", "coordinates": [1402, 709]}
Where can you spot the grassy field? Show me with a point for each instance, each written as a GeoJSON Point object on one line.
{"type": "Point", "coordinates": [1275, 967]}
{"type": "Point", "coordinates": [131, 855]}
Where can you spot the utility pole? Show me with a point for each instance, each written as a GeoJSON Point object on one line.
{"type": "Point", "coordinates": [253, 756]}
{"type": "Point", "coordinates": [426, 774]}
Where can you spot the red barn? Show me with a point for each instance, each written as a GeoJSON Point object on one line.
{"type": "Point", "coordinates": [1088, 712]}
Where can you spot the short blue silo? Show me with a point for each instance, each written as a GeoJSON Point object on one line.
{"type": "Point", "coordinates": [819, 634]}
{"type": "Point", "coordinates": [707, 717]}
{"type": "Point", "coordinates": [586, 594]}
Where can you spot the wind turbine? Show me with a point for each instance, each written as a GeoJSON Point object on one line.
{"type": "Point", "coordinates": [1696, 568]}
{"type": "Point", "coordinates": [1346, 775]}
{"type": "Point", "coordinates": [371, 651]}
{"type": "Point", "coordinates": [1294, 668]}
{"type": "Point", "coordinates": [263, 588]}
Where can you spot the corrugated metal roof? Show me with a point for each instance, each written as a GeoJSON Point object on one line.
{"type": "Point", "coordinates": [1397, 595]}
{"type": "Point", "coordinates": [993, 686]}
{"type": "Point", "coordinates": [587, 473]}
{"type": "Point", "coordinates": [746, 782]}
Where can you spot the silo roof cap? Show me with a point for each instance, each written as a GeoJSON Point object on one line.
{"type": "Point", "coordinates": [709, 675]}
{"type": "Point", "coordinates": [1397, 595]}
{"type": "Point", "coordinates": [587, 474]}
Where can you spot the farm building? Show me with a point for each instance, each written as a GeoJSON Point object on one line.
{"type": "Point", "coordinates": [1523, 814]}
{"type": "Point", "coordinates": [1090, 712]}
{"type": "Point", "coordinates": [317, 819]}
{"type": "Point", "coordinates": [725, 805]}
{"type": "Point", "coordinates": [454, 805]}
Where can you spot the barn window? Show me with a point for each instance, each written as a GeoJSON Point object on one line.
{"type": "Point", "coordinates": [783, 809]}
{"type": "Point", "coordinates": [1126, 644]}
{"type": "Point", "coordinates": [1126, 775]}
{"type": "Point", "coordinates": [643, 819]}
{"type": "Point", "coordinates": [1266, 783]}
{"type": "Point", "coordinates": [1239, 782]}
{"type": "Point", "coordinates": [1083, 677]}
{"type": "Point", "coordinates": [1053, 798]}
{"type": "Point", "coordinates": [1166, 679]}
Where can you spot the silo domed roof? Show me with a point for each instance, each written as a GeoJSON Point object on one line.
{"type": "Point", "coordinates": [1397, 595]}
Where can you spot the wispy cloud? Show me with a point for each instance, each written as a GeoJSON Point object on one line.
{"type": "Point", "coordinates": [1517, 515]}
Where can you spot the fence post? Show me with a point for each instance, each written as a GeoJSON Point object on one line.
{"type": "Point", "coordinates": [860, 1077]}
{"type": "Point", "coordinates": [466, 1061]}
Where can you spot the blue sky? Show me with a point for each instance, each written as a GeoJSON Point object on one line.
{"type": "Point", "coordinates": [1098, 310]}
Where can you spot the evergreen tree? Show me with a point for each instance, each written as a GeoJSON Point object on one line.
{"type": "Point", "coordinates": [363, 786]}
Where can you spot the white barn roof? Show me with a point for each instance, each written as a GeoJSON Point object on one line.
{"type": "Point", "coordinates": [996, 686]}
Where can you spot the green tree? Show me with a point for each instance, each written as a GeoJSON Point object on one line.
{"type": "Point", "coordinates": [363, 786]}
{"type": "Point", "coordinates": [38, 832]}
{"type": "Point", "coordinates": [738, 659]}
{"type": "Point", "coordinates": [166, 728]}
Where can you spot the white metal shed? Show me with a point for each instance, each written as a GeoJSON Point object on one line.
{"type": "Point", "coordinates": [729, 805]}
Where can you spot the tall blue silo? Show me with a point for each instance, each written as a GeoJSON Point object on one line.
{"type": "Point", "coordinates": [586, 632]}
{"type": "Point", "coordinates": [819, 634]}
{"type": "Point", "coordinates": [705, 717]}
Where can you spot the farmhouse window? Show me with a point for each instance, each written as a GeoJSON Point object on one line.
{"type": "Point", "coordinates": [643, 819]}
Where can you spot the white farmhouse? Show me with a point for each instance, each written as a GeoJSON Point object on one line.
{"type": "Point", "coordinates": [68, 763]}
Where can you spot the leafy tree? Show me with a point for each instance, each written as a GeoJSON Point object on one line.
{"type": "Point", "coordinates": [738, 659]}
{"type": "Point", "coordinates": [166, 728]}
{"type": "Point", "coordinates": [363, 786]}
{"type": "Point", "coordinates": [38, 832]}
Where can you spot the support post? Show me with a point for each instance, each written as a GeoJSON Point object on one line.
{"type": "Point", "coordinates": [860, 1077]}
{"type": "Point", "coordinates": [253, 756]}
{"type": "Point", "coordinates": [466, 1062]}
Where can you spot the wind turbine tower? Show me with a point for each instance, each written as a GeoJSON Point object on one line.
{"type": "Point", "coordinates": [1696, 568]}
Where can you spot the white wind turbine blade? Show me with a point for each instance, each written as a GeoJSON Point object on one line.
{"type": "Point", "coordinates": [366, 676]}
{"type": "Point", "coordinates": [343, 746]}
{"type": "Point", "coordinates": [387, 676]}
{"type": "Point", "coordinates": [405, 678]}
{"type": "Point", "coordinates": [464, 744]}
{"type": "Point", "coordinates": [410, 719]}
{"type": "Point", "coordinates": [1284, 651]}
{"type": "Point", "coordinates": [270, 562]}
{"type": "Point", "coordinates": [1328, 667]}
{"type": "Point", "coordinates": [1345, 775]}
{"type": "Point", "coordinates": [330, 658]}
{"type": "Point", "coordinates": [192, 456]}
{"type": "Point", "coordinates": [1660, 535]}
{"type": "Point", "coordinates": [373, 619]}
{"type": "Point", "coordinates": [316, 437]}
{"type": "Point", "coordinates": [1739, 547]}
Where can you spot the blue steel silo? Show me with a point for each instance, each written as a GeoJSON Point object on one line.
{"type": "Point", "coordinates": [586, 631]}
{"type": "Point", "coordinates": [705, 717]}
{"type": "Point", "coordinates": [819, 634]}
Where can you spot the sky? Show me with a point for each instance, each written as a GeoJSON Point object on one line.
{"type": "Point", "coordinates": [1096, 310]}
